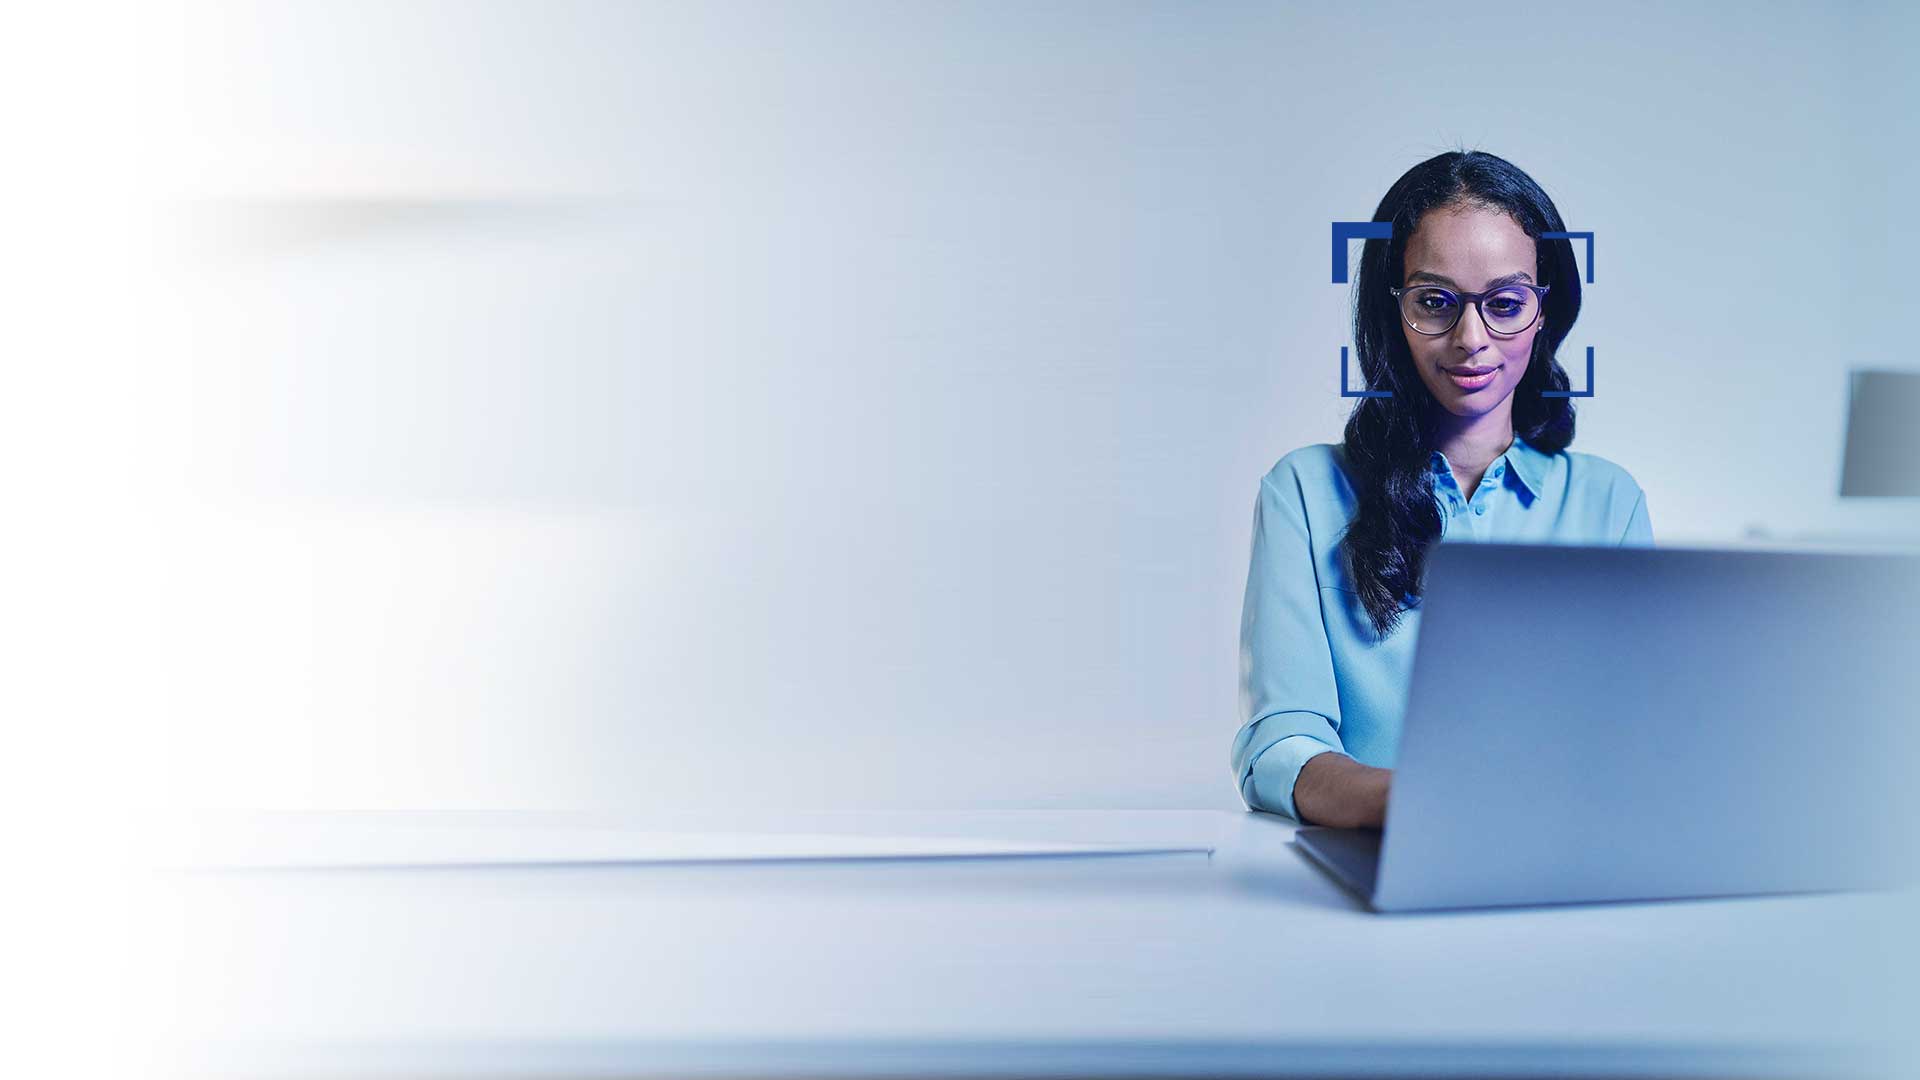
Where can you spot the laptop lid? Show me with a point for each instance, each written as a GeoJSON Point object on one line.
{"type": "Point", "coordinates": [1352, 856]}
{"type": "Point", "coordinates": [1633, 723]}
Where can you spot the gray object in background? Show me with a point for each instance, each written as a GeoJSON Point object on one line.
{"type": "Point", "coordinates": [1883, 434]}
{"type": "Point", "coordinates": [1589, 724]}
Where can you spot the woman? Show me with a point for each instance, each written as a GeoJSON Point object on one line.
{"type": "Point", "coordinates": [1459, 315]}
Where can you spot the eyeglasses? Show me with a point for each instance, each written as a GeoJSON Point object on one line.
{"type": "Point", "coordinates": [1507, 310]}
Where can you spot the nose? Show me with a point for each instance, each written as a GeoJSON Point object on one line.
{"type": "Point", "coordinates": [1470, 332]}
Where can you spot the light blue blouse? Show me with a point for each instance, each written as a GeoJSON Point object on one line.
{"type": "Point", "coordinates": [1314, 676]}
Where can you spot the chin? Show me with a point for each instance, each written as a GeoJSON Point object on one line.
{"type": "Point", "coordinates": [1475, 404]}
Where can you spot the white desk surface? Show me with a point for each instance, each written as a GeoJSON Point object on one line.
{"type": "Point", "coordinates": [1244, 962]}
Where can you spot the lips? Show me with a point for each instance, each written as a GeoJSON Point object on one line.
{"type": "Point", "coordinates": [1469, 383]}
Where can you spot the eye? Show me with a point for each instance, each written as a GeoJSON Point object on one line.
{"type": "Point", "coordinates": [1505, 305]}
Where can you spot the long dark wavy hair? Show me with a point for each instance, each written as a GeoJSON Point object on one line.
{"type": "Point", "coordinates": [1389, 440]}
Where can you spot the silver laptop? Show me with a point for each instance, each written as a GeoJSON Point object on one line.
{"type": "Point", "coordinates": [1589, 724]}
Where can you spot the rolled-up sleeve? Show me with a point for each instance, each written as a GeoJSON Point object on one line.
{"type": "Point", "coordinates": [1289, 703]}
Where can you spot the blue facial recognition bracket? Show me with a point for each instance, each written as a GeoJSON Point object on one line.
{"type": "Point", "coordinates": [1343, 231]}
{"type": "Point", "coordinates": [1344, 392]}
{"type": "Point", "coordinates": [1587, 236]}
{"type": "Point", "coordinates": [1588, 392]}
{"type": "Point", "coordinates": [1346, 231]}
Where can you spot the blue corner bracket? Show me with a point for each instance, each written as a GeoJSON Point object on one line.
{"type": "Point", "coordinates": [1588, 392]}
{"type": "Point", "coordinates": [1344, 392]}
{"type": "Point", "coordinates": [1587, 236]}
{"type": "Point", "coordinates": [1344, 231]}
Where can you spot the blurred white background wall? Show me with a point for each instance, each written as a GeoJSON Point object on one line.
{"type": "Point", "coordinates": [639, 405]}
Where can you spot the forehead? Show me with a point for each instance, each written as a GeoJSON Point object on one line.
{"type": "Point", "coordinates": [1471, 245]}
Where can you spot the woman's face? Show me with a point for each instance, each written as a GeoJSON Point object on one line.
{"type": "Point", "coordinates": [1470, 249]}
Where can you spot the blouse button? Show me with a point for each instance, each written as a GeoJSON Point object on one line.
{"type": "Point", "coordinates": [1479, 509]}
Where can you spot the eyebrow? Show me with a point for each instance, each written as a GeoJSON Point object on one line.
{"type": "Point", "coordinates": [1442, 279]}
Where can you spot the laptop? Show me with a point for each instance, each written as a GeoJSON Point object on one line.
{"type": "Point", "coordinates": [1603, 724]}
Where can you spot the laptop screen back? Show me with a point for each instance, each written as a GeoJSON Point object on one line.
{"type": "Point", "coordinates": [1623, 723]}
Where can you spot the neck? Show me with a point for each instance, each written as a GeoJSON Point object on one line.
{"type": "Point", "coordinates": [1471, 443]}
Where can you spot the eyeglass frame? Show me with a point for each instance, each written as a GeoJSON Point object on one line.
{"type": "Point", "coordinates": [1465, 298]}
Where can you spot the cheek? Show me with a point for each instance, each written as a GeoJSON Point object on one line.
{"type": "Point", "coordinates": [1516, 352]}
{"type": "Point", "coordinates": [1420, 345]}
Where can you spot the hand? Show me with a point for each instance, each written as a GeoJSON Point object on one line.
{"type": "Point", "coordinates": [1333, 789]}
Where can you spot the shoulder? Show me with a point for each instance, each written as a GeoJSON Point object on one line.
{"type": "Point", "coordinates": [1593, 474]}
{"type": "Point", "coordinates": [1603, 494]}
{"type": "Point", "coordinates": [1307, 469]}
{"type": "Point", "coordinates": [1310, 484]}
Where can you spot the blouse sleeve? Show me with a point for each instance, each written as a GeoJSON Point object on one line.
{"type": "Point", "coordinates": [1289, 706]}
